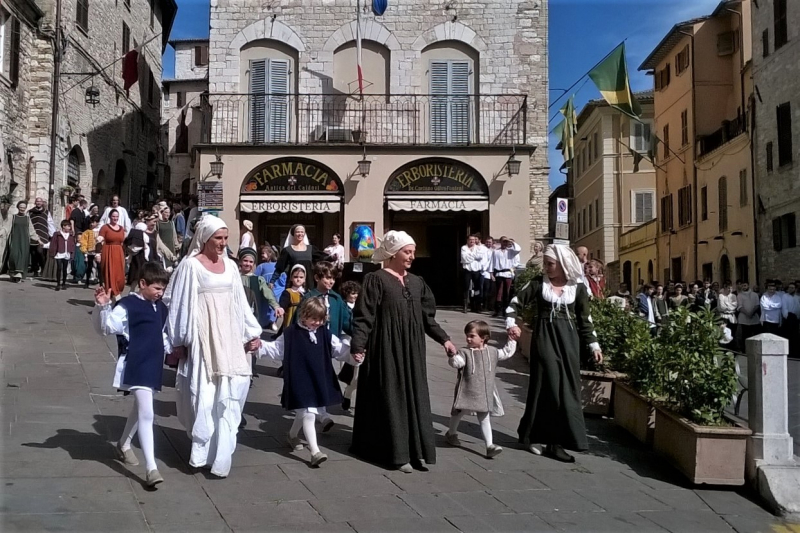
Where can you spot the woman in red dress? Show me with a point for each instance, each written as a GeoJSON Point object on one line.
{"type": "Point", "coordinates": [113, 255]}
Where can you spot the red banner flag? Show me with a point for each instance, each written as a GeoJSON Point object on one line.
{"type": "Point", "coordinates": [130, 69]}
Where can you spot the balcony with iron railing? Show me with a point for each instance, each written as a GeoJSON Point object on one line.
{"type": "Point", "coordinates": [730, 130]}
{"type": "Point", "coordinates": [386, 119]}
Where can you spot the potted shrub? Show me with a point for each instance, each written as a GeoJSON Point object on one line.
{"type": "Point", "coordinates": [698, 379]}
{"type": "Point", "coordinates": [528, 315]}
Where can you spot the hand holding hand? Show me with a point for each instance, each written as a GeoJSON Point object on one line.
{"type": "Point", "coordinates": [598, 357]}
{"type": "Point", "coordinates": [102, 296]}
{"type": "Point", "coordinates": [279, 312]}
{"type": "Point", "coordinates": [358, 357]}
{"type": "Point", "coordinates": [179, 352]}
{"type": "Point", "coordinates": [252, 345]}
{"type": "Point", "coordinates": [450, 349]}
{"type": "Point", "coordinates": [514, 333]}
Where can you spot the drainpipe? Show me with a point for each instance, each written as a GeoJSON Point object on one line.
{"type": "Point", "coordinates": [694, 167]}
{"type": "Point", "coordinates": [54, 109]}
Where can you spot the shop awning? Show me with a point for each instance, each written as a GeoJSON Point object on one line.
{"type": "Point", "coordinates": [433, 203]}
{"type": "Point", "coordinates": [301, 203]}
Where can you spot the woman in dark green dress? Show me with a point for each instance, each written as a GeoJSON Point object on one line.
{"type": "Point", "coordinates": [563, 325]}
{"type": "Point", "coordinates": [19, 243]}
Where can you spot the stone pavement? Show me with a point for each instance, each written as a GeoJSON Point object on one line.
{"type": "Point", "coordinates": [60, 416]}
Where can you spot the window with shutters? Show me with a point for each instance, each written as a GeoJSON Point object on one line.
{"type": "Point", "coordinates": [784, 232]}
{"type": "Point", "coordinates": [73, 168]}
{"type": "Point", "coordinates": [726, 43]}
{"type": "Point", "coordinates": [663, 78]}
{"type": "Point", "coordinates": [781, 23]}
{"type": "Point", "coordinates": [765, 43]}
{"type": "Point", "coordinates": [126, 38]}
{"type": "Point", "coordinates": [591, 217]}
{"type": "Point", "coordinates": [9, 46]}
{"type": "Point", "coordinates": [685, 127]}
{"type": "Point", "coordinates": [450, 97]}
{"type": "Point", "coordinates": [640, 133]}
{"type": "Point", "coordinates": [82, 15]}
{"type": "Point", "coordinates": [597, 213]}
{"type": "Point", "coordinates": [269, 101]}
{"type": "Point", "coordinates": [666, 214]}
{"type": "Point", "coordinates": [596, 145]}
{"type": "Point", "coordinates": [682, 61]}
{"type": "Point", "coordinates": [201, 55]}
{"type": "Point", "coordinates": [743, 188]}
{"type": "Point", "coordinates": [770, 163]}
{"type": "Point", "coordinates": [722, 192]}
{"type": "Point", "coordinates": [784, 112]}
{"type": "Point", "coordinates": [151, 87]}
{"type": "Point", "coordinates": [685, 206]}
{"type": "Point", "coordinates": [704, 203]}
{"type": "Point", "coordinates": [643, 206]}
{"type": "Point", "coordinates": [665, 141]}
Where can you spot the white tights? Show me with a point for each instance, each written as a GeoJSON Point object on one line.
{"type": "Point", "coordinates": [483, 418]}
{"type": "Point", "coordinates": [305, 420]}
{"type": "Point", "coordinates": [141, 420]}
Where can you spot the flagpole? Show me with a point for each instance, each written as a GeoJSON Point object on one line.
{"type": "Point", "coordinates": [586, 74]}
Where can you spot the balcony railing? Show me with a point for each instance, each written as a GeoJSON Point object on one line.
{"type": "Point", "coordinates": [393, 119]}
{"type": "Point", "coordinates": [730, 130]}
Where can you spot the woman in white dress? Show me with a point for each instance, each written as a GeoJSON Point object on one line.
{"type": "Point", "coordinates": [248, 239]}
{"type": "Point", "coordinates": [211, 328]}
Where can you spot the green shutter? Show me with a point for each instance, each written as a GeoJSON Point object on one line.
{"type": "Point", "coordinates": [450, 102]}
{"type": "Point", "coordinates": [278, 101]}
{"type": "Point", "coordinates": [258, 100]}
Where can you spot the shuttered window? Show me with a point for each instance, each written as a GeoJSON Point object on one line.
{"type": "Point", "coordinates": [784, 116]}
{"type": "Point", "coordinates": [643, 206]}
{"type": "Point", "coordinates": [269, 110]}
{"type": "Point", "coordinates": [82, 14]}
{"type": "Point", "coordinates": [743, 187]}
{"type": "Point", "coordinates": [704, 203]}
{"type": "Point", "coordinates": [666, 213]}
{"type": "Point", "coordinates": [73, 169]}
{"type": "Point", "coordinates": [450, 109]}
{"type": "Point", "coordinates": [723, 204]}
{"type": "Point", "coordinates": [781, 23]}
{"type": "Point", "coordinates": [685, 205]}
{"type": "Point", "coordinates": [126, 38]}
{"type": "Point", "coordinates": [784, 232]}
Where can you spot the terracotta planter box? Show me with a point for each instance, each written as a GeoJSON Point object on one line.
{"type": "Point", "coordinates": [596, 392]}
{"type": "Point", "coordinates": [712, 455]}
{"type": "Point", "coordinates": [525, 340]}
{"type": "Point", "coordinates": [634, 413]}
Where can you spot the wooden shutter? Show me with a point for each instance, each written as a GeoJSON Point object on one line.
{"type": "Point", "coordinates": [781, 24]}
{"type": "Point", "coordinates": [723, 204]}
{"type": "Point", "coordinates": [278, 101]}
{"type": "Point", "coordinates": [784, 118]}
{"type": "Point", "coordinates": [791, 230]}
{"type": "Point", "coordinates": [82, 14]}
{"type": "Point", "coordinates": [743, 187]}
{"type": "Point", "coordinates": [13, 64]}
{"type": "Point", "coordinates": [258, 100]}
{"type": "Point", "coordinates": [439, 89]}
{"type": "Point", "coordinates": [643, 207]}
{"type": "Point", "coordinates": [450, 106]}
{"type": "Point", "coordinates": [777, 245]}
{"type": "Point", "coordinates": [459, 102]}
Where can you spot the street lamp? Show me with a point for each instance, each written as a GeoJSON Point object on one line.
{"type": "Point", "coordinates": [513, 164]}
{"type": "Point", "coordinates": [92, 96]}
{"type": "Point", "coordinates": [364, 165]}
{"type": "Point", "coordinates": [216, 167]}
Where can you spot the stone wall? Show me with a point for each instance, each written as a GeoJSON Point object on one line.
{"type": "Point", "coordinates": [510, 38]}
{"type": "Point", "coordinates": [777, 78]}
{"type": "Point", "coordinates": [185, 68]}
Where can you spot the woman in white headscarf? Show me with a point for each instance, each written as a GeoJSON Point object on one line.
{"type": "Point", "coordinates": [562, 330]}
{"type": "Point", "coordinates": [211, 328]}
{"type": "Point", "coordinates": [297, 251]}
{"type": "Point", "coordinates": [248, 240]}
{"type": "Point", "coordinates": [393, 313]}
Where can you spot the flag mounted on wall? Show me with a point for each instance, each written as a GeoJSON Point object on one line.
{"type": "Point", "coordinates": [379, 6]}
{"type": "Point", "coordinates": [611, 78]}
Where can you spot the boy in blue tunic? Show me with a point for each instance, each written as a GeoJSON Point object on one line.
{"type": "Point", "coordinates": [139, 319]}
{"type": "Point", "coordinates": [309, 381]}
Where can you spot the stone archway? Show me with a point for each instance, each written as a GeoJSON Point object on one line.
{"type": "Point", "coordinates": [372, 31]}
{"type": "Point", "coordinates": [450, 31]}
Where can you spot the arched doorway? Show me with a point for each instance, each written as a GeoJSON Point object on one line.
{"type": "Point", "coordinates": [627, 273]}
{"type": "Point", "coordinates": [292, 190]}
{"type": "Point", "coordinates": [74, 167]}
{"type": "Point", "coordinates": [724, 268]}
{"type": "Point", "coordinates": [650, 274]}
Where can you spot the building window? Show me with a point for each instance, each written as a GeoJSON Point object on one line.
{"type": "Point", "coordinates": [591, 150]}
{"type": "Point", "coordinates": [784, 232]}
{"type": "Point", "coordinates": [82, 15]}
{"type": "Point", "coordinates": [666, 214]}
{"type": "Point", "coordinates": [781, 23]}
{"type": "Point", "coordinates": [704, 203]}
{"type": "Point", "coordinates": [770, 164]}
{"type": "Point", "coordinates": [269, 113]}
{"type": "Point", "coordinates": [73, 168]}
{"type": "Point", "coordinates": [596, 213]}
{"type": "Point", "coordinates": [742, 268]}
{"type": "Point", "coordinates": [765, 43]}
{"type": "Point", "coordinates": [685, 206]}
{"type": "Point", "coordinates": [640, 131]}
{"type": "Point", "coordinates": [166, 99]}
{"type": "Point", "coordinates": [151, 87]}
{"type": "Point", "coordinates": [784, 113]}
{"type": "Point", "coordinates": [728, 43]}
{"type": "Point", "coordinates": [450, 107]}
{"type": "Point", "coordinates": [126, 38]}
{"type": "Point", "coordinates": [682, 60]}
{"type": "Point", "coordinates": [743, 195]}
{"type": "Point", "coordinates": [591, 217]}
{"type": "Point", "coordinates": [663, 78]}
{"type": "Point", "coordinates": [723, 204]}
{"type": "Point", "coordinates": [152, 13]}
{"type": "Point", "coordinates": [182, 137]}
{"type": "Point", "coordinates": [665, 141]}
{"type": "Point", "coordinates": [642, 203]}
{"type": "Point", "coordinates": [201, 55]}
{"type": "Point", "coordinates": [685, 127]}
{"type": "Point", "coordinates": [708, 271]}
{"type": "Point", "coordinates": [9, 46]}
{"type": "Point", "coordinates": [596, 145]}
{"type": "Point", "coordinates": [179, 99]}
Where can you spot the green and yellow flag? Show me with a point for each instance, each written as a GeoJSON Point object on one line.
{"type": "Point", "coordinates": [611, 78]}
{"type": "Point", "coordinates": [566, 131]}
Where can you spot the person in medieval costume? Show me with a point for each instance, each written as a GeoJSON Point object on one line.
{"type": "Point", "coordinates": [211, 328]}
{"type": "Point", "coordinates": [21, 236]}
{"type": "Point", "coordinates": [45, 228]}
{"type": "Point", "coordinates": [553, 411]}
{"type": "Point", "coordinates": [6, 223]}
{"type": "Point", "coordinates": [394, 312]}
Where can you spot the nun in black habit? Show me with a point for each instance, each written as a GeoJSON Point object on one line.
{"type": "Point", "coordinates": [395, 310]}
{"type": "Point", "coordinates": [563, 326]}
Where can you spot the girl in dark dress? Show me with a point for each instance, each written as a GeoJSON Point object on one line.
{"type": "Point", "coordinates": [309, 381]}
{"type": "Point", "coordinates": [553, 411]}
{"type": "Point", "coordinates": [297, 251]}
{"type": "Point", "coordinates": [393, 313]}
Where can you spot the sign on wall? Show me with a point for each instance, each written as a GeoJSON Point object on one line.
{"type": "Point", "coordinates": [562, 210]}
{"type": "Point", "coordinates": [292, 174]}
{"type": "Point", "coordinates": [209, 196]}
{"type": "Point", "coordinates": [436, 176]}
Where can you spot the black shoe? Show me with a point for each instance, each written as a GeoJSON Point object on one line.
{"type": "Point", "coordinates": [243, 423]}
{"type": "Point", "coordinates": [558, 453]}
{"type": "Point", "coordinates": [58, 288]}
{"type": "Point", "coordinates": [346, 404]}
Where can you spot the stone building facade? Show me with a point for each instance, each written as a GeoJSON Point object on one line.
{"type": "Point", "coordinates": [111, 146]}
{"type": "Point", "coordinates": [776, 143]}
{"type": "Point", "coordinates": [452, 92]}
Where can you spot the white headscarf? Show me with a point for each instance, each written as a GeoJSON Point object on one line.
{"type": "Point", "coordinates": [290, 238]}
{"type": "Point", "coordinates": [248, 224]}
{"type": "Point", "coordinates": [392, 242]}
{"type": "Point", "coordinates": [567, 259]}
{"type": "Point", "coordinates": [206, 227]}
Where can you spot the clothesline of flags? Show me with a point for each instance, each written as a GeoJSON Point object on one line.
{"type": "Point", "coordinates": [610, 76]}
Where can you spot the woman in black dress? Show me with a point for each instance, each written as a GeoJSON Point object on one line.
{"type": "Point", "coordinates": [563, 326]}
{"type": "Point", "coordinates": [297, 251]}
{"type": "Point", "coordinates": [393, 313]}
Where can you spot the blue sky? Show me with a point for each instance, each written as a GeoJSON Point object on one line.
{"type": "Point", "coordinates": [581, 33]}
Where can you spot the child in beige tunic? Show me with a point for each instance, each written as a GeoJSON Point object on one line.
{"type": "Point", "coordinates": [475, 389]}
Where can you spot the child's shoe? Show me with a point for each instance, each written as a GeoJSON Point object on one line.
{"type": "Point", "coordinates": [318, 458]}
{"type": "Point", "coordinates": [346, 404]}
{"type": "Point", "coordinates": [452, 439]}
{"type": "Point", "coordinates": [493, 451]}
{"type": "Point", "coordinates": [327, 425]}
{"type": "Point", "coordinates": [154, 478]}
{"type": "Point", "coordinates": [294, 442]}
{"type": "Point", "coordinates": [126, 456]}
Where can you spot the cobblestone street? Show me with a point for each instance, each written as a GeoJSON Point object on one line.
{"type": "Point", "coordinates": [60, 416]}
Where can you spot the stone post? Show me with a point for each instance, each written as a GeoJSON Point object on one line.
{"type": "Point", "coordinates": [770, 463]}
